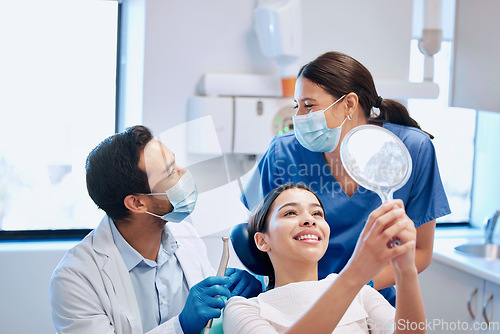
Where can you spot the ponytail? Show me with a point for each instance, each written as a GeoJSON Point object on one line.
{"type": "Point", "coordinates": [394, 112]}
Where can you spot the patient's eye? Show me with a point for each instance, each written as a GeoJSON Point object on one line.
{"type": "Point", "coordinates": [318, 213]}
{"type": "Point", "coordinates": [290, 213]}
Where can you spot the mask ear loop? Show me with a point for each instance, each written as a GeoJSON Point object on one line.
{"type": "Point", "coordinates": [334, 103]}
{"type": "Point", "coordinates": [153, 214]}
{"type": "Point", "coordinates": [347, 118]}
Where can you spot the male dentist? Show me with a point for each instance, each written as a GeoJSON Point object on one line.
{"type": "Point", "coordinates": [142, 269]}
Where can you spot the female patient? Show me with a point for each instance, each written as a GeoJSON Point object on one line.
{"type": "Point", "coordinates": [290, 230]}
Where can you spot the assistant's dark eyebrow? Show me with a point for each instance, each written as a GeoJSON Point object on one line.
{"type": "Point", "coordinates": [306, 99]}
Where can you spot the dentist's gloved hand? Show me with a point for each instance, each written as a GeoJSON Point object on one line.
{"type": "Point", "coordinates": [243, 283]}
{"type": "Point", "coordinates": [202, 303]}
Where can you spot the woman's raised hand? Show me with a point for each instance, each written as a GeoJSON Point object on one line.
{"type": "Point", "coordinates": [372, 250]}
{"type": "Point", "coordinates": [406, 261]}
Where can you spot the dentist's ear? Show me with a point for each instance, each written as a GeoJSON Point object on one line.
{"type": "Point", "coordinates": [135, 204]}
{"type": "Point", "coordinates": [261, 242]}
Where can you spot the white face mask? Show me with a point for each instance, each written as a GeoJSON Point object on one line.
{"type": "Point", "coordinates": [313, 133]}
{"type": "Point", "coordinates": [182, 196]}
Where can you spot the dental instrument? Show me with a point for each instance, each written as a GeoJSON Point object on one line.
{"type": "Point", "coordinates": [220, 272]}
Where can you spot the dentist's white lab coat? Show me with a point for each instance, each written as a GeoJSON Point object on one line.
{"type": "Point", "coordinates": [91, 290]}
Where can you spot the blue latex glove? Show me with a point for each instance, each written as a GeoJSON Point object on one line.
{"type": "Point", "coordinates": [243, 283]}
{"type": "Point", "coordinates": [202, 303]}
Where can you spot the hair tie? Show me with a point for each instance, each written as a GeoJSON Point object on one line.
{"type": "Point", "coordinates": [378, 102]}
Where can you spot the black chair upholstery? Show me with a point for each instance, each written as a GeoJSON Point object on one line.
{"type": "Point", "coordinates": [246, 250]}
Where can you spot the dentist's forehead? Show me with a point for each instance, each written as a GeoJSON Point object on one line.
{"type": "Point", "coordinates": [158, 160]}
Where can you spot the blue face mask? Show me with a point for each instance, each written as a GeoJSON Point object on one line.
{"type": "Point", "coordinates": [182, 196]}
{"type": "Point", "coordinates": [312, 132]}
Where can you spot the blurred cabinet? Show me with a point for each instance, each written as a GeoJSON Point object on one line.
{"type": "Point", "coordinates": [491, 312]}
{"type": "Point", "coordinates": [458, 302]}
{"type": "Point", "coordinates": [243, 125]}
{"type": "Point", "coordinates": [453, 299]}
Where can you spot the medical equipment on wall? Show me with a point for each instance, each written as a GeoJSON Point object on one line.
{"type": "Point", "coordinates": [278, 26]}
{"type": "Point", "coordinates": [376, 159]}
{"type": "Point", "coordinates": [247, 111]}
{"type": "Point", "coordinates": [430, 42]}
{"type": "Point", "coordinates": [243, 124]}
{"type": "Point", "coordinates": [220, 272]}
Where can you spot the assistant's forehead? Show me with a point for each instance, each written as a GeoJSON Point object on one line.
{"type": "Point", "coordinates": [306, 89]}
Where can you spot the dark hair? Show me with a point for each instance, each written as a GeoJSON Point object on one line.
{"type": "Point", "coordinates": [341, 74]}
{"type": "Point", "coordinates": [259, 221]}
{"type": "Point", "coordinates": [113, 173]}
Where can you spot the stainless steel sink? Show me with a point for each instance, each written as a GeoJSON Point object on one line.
{"type": "Point", "coordinates": [485, 251]}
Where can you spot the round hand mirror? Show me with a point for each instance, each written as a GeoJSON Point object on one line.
{"type": "Point", "coordinates": [376, 159]}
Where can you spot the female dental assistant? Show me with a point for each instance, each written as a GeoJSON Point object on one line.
{"type": "Point", "coordinates": [335, 93]}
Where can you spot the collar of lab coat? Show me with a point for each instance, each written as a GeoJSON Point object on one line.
{"type": "Point", "coordinates": [186, 237]}
{"type": "Point", "coordinates": [190, 253]}
{"type": "Point", "coordinates": [119, 284]}
{"type": "Point", "coordinates": [103, 238]}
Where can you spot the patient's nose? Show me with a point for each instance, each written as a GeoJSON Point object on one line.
{"type": "Point", "coordinates": [308, 222]}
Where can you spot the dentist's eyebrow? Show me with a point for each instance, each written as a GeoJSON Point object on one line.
{"type": "Point", "coordinates": [169, 166]}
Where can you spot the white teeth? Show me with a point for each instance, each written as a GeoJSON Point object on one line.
{"type": "Point", "coordinates": [308, 236]}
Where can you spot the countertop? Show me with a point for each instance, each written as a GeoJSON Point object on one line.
{"type": "Point", "coordinates": [447, 239]}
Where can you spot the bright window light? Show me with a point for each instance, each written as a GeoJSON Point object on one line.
{"type": "Point", "coordinates": [57, 88]}
{"type": "Point", "coordinates": [453, 129]}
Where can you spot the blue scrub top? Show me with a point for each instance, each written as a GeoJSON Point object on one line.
{"type": "Point", "coordinates": [286, 160]}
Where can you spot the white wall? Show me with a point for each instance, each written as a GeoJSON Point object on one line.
{"type": "Point", "coordinates": [183, 40]}
{"type": "Point", "coordinates": [24, 285]}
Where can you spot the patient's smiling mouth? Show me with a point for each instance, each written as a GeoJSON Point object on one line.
{"type": "Point", "coordinates": [308, 236]}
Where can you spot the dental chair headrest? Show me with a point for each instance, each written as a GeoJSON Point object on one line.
{"type": "Point", "coordinates": [247, 252]}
